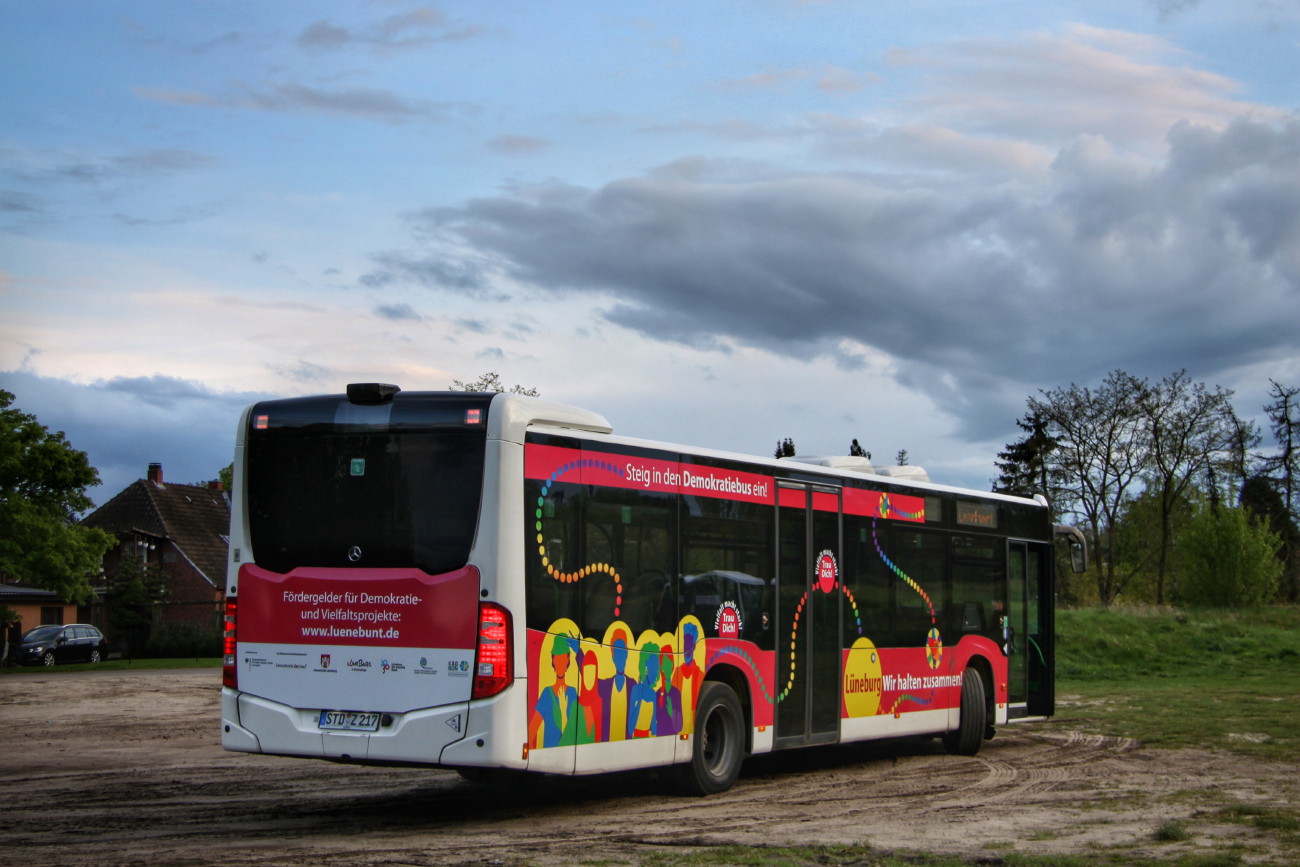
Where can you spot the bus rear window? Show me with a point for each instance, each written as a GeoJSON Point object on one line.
{"type": "Point", "coordinates": [364, 493]}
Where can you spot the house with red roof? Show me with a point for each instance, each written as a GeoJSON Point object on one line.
{"type": "Point", "coordinates": [185, 529]}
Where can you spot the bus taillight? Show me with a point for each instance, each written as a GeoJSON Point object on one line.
{"type": "Point", "coordinates": [229, 674]}
{"type": "Point", "coordinates": [492, 657]}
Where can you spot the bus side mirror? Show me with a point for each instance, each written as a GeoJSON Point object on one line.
{"type": "Point", "coordinates": [1078, 557]}
{"type": "Point", "coordinates": [1078, 546]}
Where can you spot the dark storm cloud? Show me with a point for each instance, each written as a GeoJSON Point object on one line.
{"type": "Point", "coordinates": [124, 424]}
{"type": "Point", "coordinates": [982, 292]}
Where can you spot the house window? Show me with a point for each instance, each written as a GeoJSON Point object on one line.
{"type": "Point", "coordinates": [169, 556]}
{"type": "Point", "coordinates": [51, 615]}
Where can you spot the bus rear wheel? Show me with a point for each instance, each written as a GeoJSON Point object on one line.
{"type": "Point", "coordinates": [966, 740]}
{"type": "Point", "coordinates": [719, 742]}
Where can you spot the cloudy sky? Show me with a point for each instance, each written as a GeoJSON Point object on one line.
{"type": "Point", "coordinates": [716, 223]}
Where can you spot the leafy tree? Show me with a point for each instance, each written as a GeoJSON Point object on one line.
{"type": "Point", "coordinates": [901, 458]}
{"type": "Point", "coordinates": [227, 477]}
{"type": "Point", "coordinates": [785, 448]}
{"type": "Point", "coordinates": [1137, 541]}
{"type": "Point", "coordinates": [1229, 557]}
{"type": "Point", "coordinates": [1260, 497]}
{"type": "Point", "coordinates": [857, 451]}
{"type": "Point", "coordinates": [132, 592]}
{"type": "Point", "coordinates": [1100, 453]}
{"type": "Point", "coordinates": [43, 482]}
{"type": "Point", "coordinates": [1186, 427]}
{"type": "Point", "coordinates": [491, 382]}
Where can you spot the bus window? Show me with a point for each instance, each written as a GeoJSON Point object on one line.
{"type": "Point", "coordinates": [561, 523]}
{"type": "Point", "coordinates": [869, 580]}
{"type": "Point", "coordinates": [630, 531]}
{"type": "Point", "coordinates": [920, 556]}
{"type": "Point", "coordinates": [978, 585]}
{"type": "Point", "coordinates": [727, 554]}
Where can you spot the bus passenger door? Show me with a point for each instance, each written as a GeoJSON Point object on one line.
{"type": "Point", "coordinates": [808, 675]}
{"type": "Point", "coordinates": [1015, 633]}
{"type": "Point", "coordinates": [1040, 631]}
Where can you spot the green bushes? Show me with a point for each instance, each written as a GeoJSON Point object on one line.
{"type": "Point", "coordinates": [176, 640]}
{"type": "Point", "coordinates": [1229, 559]}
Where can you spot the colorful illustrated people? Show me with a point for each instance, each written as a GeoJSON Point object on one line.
{"type": "Point", "coordinates": [590, 705]}
{"type": "Point", "coordinates": [616, 692]}
{"type": "Point", "coordinates": [688, 677]}
{"type": "Point", "coordinates": [555, 713]}
{"type": "Point", "coordinates": [668, 704]}
{"type": "Point", "coordinates": [645, 695]}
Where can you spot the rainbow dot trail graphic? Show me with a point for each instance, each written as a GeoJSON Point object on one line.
{"type": "Point", "coordinates": [593, 568]}
{"type": "Point", "coordinates": [907, 696]}
{"type": "Point", "coordinates": [887, 509]}
{"type": "Point", "coordinates": [934, 643]}
{"type": "Point", "coordinates": [794, 634]}
{"type": "Point", "coordinates": [733, 650]}
{"type": "Point", "coordinates": [856, 617]}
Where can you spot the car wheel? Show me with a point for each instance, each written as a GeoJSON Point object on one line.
{"type": "Point", "coordinates": [47, 658]}
{"type": "Point", "coordinates": [968, 737]}
{"type": "Point", "coordinates": [94, 656]}
{"type": "Point", "coordinates": [719, 746]}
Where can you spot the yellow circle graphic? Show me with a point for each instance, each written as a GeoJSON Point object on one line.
{"type": "Point", "coordinates": [862, 682]}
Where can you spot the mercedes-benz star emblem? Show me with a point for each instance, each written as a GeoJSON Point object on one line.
{"type": "Point", "coordinates": [354, 553]}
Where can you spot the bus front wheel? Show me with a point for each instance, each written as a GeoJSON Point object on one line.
{"type": "Point", "coordinates": [966, 740]}
{"type": "Point", "coordinates": [719, 742]}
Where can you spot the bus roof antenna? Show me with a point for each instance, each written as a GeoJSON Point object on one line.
{"type": "Point", "coordinates": [371, 392]}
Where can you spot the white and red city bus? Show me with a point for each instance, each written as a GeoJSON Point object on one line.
{"type": "Point", "coordinates": [483, 581]}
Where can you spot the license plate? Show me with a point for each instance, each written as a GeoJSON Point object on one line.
{"type": "Point", "coordinates": [349, 720]}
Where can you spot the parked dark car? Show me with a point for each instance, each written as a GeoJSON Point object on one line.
{"type": "Point", "coordinates": [76, 642]}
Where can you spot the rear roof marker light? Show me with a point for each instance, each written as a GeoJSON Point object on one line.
{"type": "Point", "coordinates": [473, 416]}
{"type": "Point", "coordinates": [260, 422]}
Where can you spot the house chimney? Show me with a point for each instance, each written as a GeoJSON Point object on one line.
{"type": "Point", "coordinates": [214, 486]}
{"type": "Point", "coordinates": [155, 473]}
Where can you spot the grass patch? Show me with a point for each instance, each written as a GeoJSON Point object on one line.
{"type": "Point", "coordinates": [1125, 644]}
{"type": "Point", "coordinates": [1264, 818]}
{"type": "Point", "coordinates": [1171, 831]}
{"type": "Point", "coordinates": [116, 665]}
{"type": "Point", "coordinates": [1183, 678]}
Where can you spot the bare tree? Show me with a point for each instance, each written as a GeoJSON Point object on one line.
{"type": "Point", "coordinates": [1188, 427]}
{"type": "Point", "coordinates": [1101, 451]}
{"type": "Point", "coordinates": [490, 382]}
{"type": "Point", "coordinates": [1284, 421]}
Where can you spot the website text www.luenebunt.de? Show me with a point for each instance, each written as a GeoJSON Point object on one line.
{"type": "Point", "coordinates": [349, 632]}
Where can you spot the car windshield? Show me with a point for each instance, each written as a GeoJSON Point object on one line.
{"type": "Point", "coordinates": [43, 633]}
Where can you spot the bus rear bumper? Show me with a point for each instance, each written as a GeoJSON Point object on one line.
{"type": "Point", "coordinates": [254, 724]}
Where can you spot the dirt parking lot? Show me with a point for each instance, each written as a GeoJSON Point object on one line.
{"type": "Point", "coordinates": [122, 768]}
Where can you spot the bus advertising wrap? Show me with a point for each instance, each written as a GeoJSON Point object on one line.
{"type": "Point", "coordinates": [357, 639]}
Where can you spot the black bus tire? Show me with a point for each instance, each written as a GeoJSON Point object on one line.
{"type": "Point", "coordinates": [969, 735]}
{"type": "Point", "coordinates": [718, 745]}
